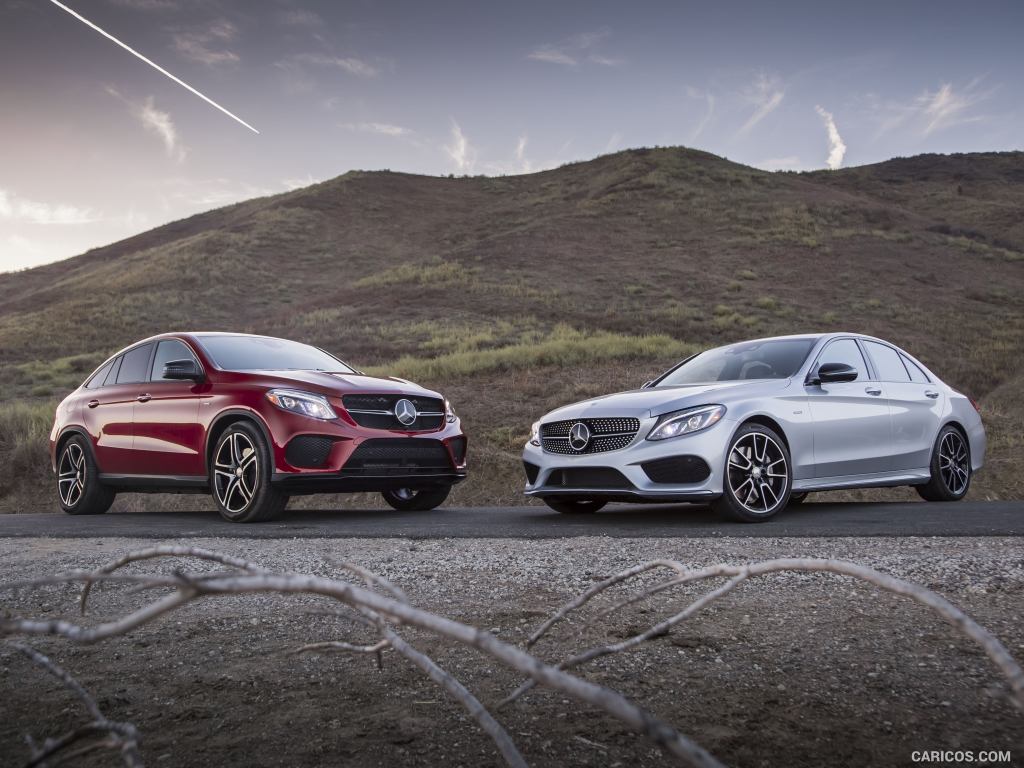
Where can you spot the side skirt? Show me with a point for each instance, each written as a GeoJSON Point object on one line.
{"type": "Point", "coordinates": [871, 480]}
{"type": "Point", "coordinates": [157, 483]}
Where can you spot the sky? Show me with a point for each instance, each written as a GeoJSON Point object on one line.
{"type": "Point", "coordinates": [97, 145]}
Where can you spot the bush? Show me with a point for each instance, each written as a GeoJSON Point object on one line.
{"type": "Point", "coordinates": [24, 435]}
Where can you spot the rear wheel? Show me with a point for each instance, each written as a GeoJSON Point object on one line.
{"type": "Point", "coordinates": [78, 481]}
{"type": "Point", "coordinates": [416, 500]}
{"type": "Point", "coordinates": [575, 506]}
{"type": "Point", "coordinates": [240, 477]}
{"type": "Point", "coordinates": [951, 468]}
{"type": "Point", "coordinates": [758, 479]}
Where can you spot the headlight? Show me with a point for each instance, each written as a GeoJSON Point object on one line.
{"type": "Point", "coordinates": [686, 422]}
{"type": "Point", "coordinates": [535, 433]}
{"type": "Point", "coordinates": [302, 403]}
{"type": "Point", "coordinates": [449, 412]}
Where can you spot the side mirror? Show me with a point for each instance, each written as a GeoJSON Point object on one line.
{"type": "Point", "coordinates": [647, 385]}
{"type": "Point", "coordinates": [183, 370]}
{"type": "Point", "coordinates": [834, 373]}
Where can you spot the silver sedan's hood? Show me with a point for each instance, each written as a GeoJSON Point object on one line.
{"type": "Point", "coordinates": [642, 403]}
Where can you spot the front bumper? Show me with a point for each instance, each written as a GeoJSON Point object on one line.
{"type": "Point", "coordinates": [583, 475]}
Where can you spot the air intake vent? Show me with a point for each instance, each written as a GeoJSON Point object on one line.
{"type": "Point", "coordinates": [588, 477]}
{"type": "Point", "coordinates": [401, 456]}
{"type": "Point", "coordinates": [677, 470]}
{"type": "Point", "coordinates": [308, 451]}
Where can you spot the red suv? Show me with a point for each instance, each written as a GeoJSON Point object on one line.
{"type": "Point", "coordinates": [253, 420]}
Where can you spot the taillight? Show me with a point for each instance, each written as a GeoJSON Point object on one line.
{"type": "Point", "coordinates": [974, 403]}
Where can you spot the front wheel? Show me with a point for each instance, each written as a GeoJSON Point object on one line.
{"type": "Point", "coordinates": [78, 481]}
{"type": "Point", "coordinates": [240, 477]}
{"type": "Point", "coordinates": [758, 479]}
{"type": "Point", "coordinates": [950, 467]}
{"type": "Point", "coordinates": [575, 506]}
{"type": "Point", "coordinates": [412, 500]}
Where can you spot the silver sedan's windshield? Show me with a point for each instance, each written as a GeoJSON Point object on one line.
{"type": "Point", "coordinates": [771, 359]}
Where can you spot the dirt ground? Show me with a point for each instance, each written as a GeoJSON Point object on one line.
{"type": "Point", "coordinates": [790, 670]}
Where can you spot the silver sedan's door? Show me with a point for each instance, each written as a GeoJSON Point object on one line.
{"type": "Point", "coordinates": [851, 420]}
{"type": "Point", "coordinates": [915, 403]}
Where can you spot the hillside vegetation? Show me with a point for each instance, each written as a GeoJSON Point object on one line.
{"type": "Point", "coordinates": [516, 294]}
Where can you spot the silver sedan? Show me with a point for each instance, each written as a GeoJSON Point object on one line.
{"type": "Point", "coordinates": [754, 426]}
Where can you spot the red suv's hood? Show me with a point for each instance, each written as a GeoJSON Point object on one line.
{"type": "Point", "coordinates": [325, 383]}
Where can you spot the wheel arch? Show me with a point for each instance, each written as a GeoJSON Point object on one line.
{"type": "Point", "coordinates": [66, 434]}
{"type": "Point", "coordinates": [766, 421]}
{"type": "Point", "coordinates": [224, 420]}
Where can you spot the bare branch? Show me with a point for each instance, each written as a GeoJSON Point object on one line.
{"type": "Point", "coordinates": [121, 736]}
{"type": "Point", "coordinates": [192, 588]}
{"type": "Point", "coordinates": [338, 645]}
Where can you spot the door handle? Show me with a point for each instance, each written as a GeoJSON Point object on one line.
{"type": "Point", "coordinates": [931, 394]}
{"type": "Point", "coordinates": [144, 398]}
{"type": "Point", "coordinates": [93, 403]}
{"type": "Point", "coordinates": [873, 390]}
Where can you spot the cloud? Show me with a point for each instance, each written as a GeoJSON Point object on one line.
{"type": "Point", "coordinates": [160, 123]}
{"type": "Point", "coordinates": [383, 129]}
{"type": "Point", "coordinates": [836, 147]}
{"type": "Point", "coordinates": [947, 107]}
{"type": "Point", "coordinates": [147, 5]}
{"type": "Point", "coordinates": [349, 64]}
{"type": "Point", "coordinates": [462, 153]}
{"type": "Point", "coordinates": [552, 56]}
{"type": "Point", "coordinates": [709, 112]}
{"type": "Point", "coordinates": [207, 46]}
{"type": "Point", "coordinates": [14, 208]}
{"type": "Point", "coordinates": [301, 17]}
{"type": "Point", "coordinates": [293, 184]}
{"type": "Point", "coordinates": [765, 95]}
{"type": "Point", "coordinates": [788, 163]}
{"type": "Point", "coordinates": [519, 163]}
{"type": "Point", "coordinates": [613, 143]}
{"type": "Point", "coordinates": [575, 50]}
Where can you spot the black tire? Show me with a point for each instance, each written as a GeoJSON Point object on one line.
{"type": "Point", "coordinates": [413, 500]}
{"type": "Point", "coordinates": [950, 467]}
{"type": "Point", "coordinates": [78, 480]}
{"type": "Point", "coordinates": [796, 498]}
{"type": "Point", "coordinates": [240, 470]}
{"type": "Point", "coordinates": [754, 488]}
{"type": "Point", "coordinates": [575, 506]}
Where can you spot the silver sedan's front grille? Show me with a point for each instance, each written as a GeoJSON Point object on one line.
{"type": "Point", "coordinates": [608, 434]}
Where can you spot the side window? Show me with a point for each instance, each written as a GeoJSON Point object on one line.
{"type": "Point", "coordinates": [916, 374]}
{"type": "Point", "coordinates": [135, 365]}
{"type": "Point", "coordinates": [101, 376]}
{"type": "Point", "coordinates": [166, 351]}
{"type": "Point", "coordinates": [114, 368]}
{"type": "Point", "coordinates": [845, 351]}
{"type": "Point", "coordinates": [887, 362]}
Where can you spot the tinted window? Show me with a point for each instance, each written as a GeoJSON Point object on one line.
{"type": "Point", "coordinates": [262, 353]}
{"type": "Point", "coordinates": [774, 359]}
{"type": "Point", "coordinates": [135, 365]}
{"type": "Point", "coordinates": [916, 374]}
{"type": "Point", "coordinates": [112, 376]}
{"type": "Point", "coordinates": [100, 376]}
{"type": "Point", "coordinates": [847, 352]}
{"type": "Point", "coordinates": [166, 351]}
{"type": "Point", "coordinates": [887, 362]}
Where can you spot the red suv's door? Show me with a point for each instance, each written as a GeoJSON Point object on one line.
{"type": "Point", "coordinates": [168, 437]}
{"type": "Point", "coordinates": [109, 411]}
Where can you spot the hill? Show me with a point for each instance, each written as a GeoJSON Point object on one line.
{"type": "Point", "coordinates": [515, 294]}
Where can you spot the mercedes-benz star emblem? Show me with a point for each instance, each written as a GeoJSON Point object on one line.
{"type": "Point", "coordinates": [405, 412]}
{"type": "Point", "coordinates": [579, 436]}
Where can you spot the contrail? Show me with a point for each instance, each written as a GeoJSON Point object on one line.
{"type": "Point", "coordinates": [154, 65]}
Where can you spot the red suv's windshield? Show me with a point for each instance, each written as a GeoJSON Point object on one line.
{"type": "Point", "coordinates": [263, 353]}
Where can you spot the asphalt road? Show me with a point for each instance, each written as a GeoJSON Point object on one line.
{"type": "Point", "coordinates": [996, 518]}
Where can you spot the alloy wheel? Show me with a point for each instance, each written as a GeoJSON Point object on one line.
{"type": "Point", "coordinates": [757, 472]}
{"type": "Point", "coordinates": [953, 463]}
{"type": "Point", "coordinates": [71, 475]}
{"type": "Point", "coordinates": [236, 472]}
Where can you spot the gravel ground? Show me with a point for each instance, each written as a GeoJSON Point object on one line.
{"type": "Point", "coordinates": [794, 670]}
